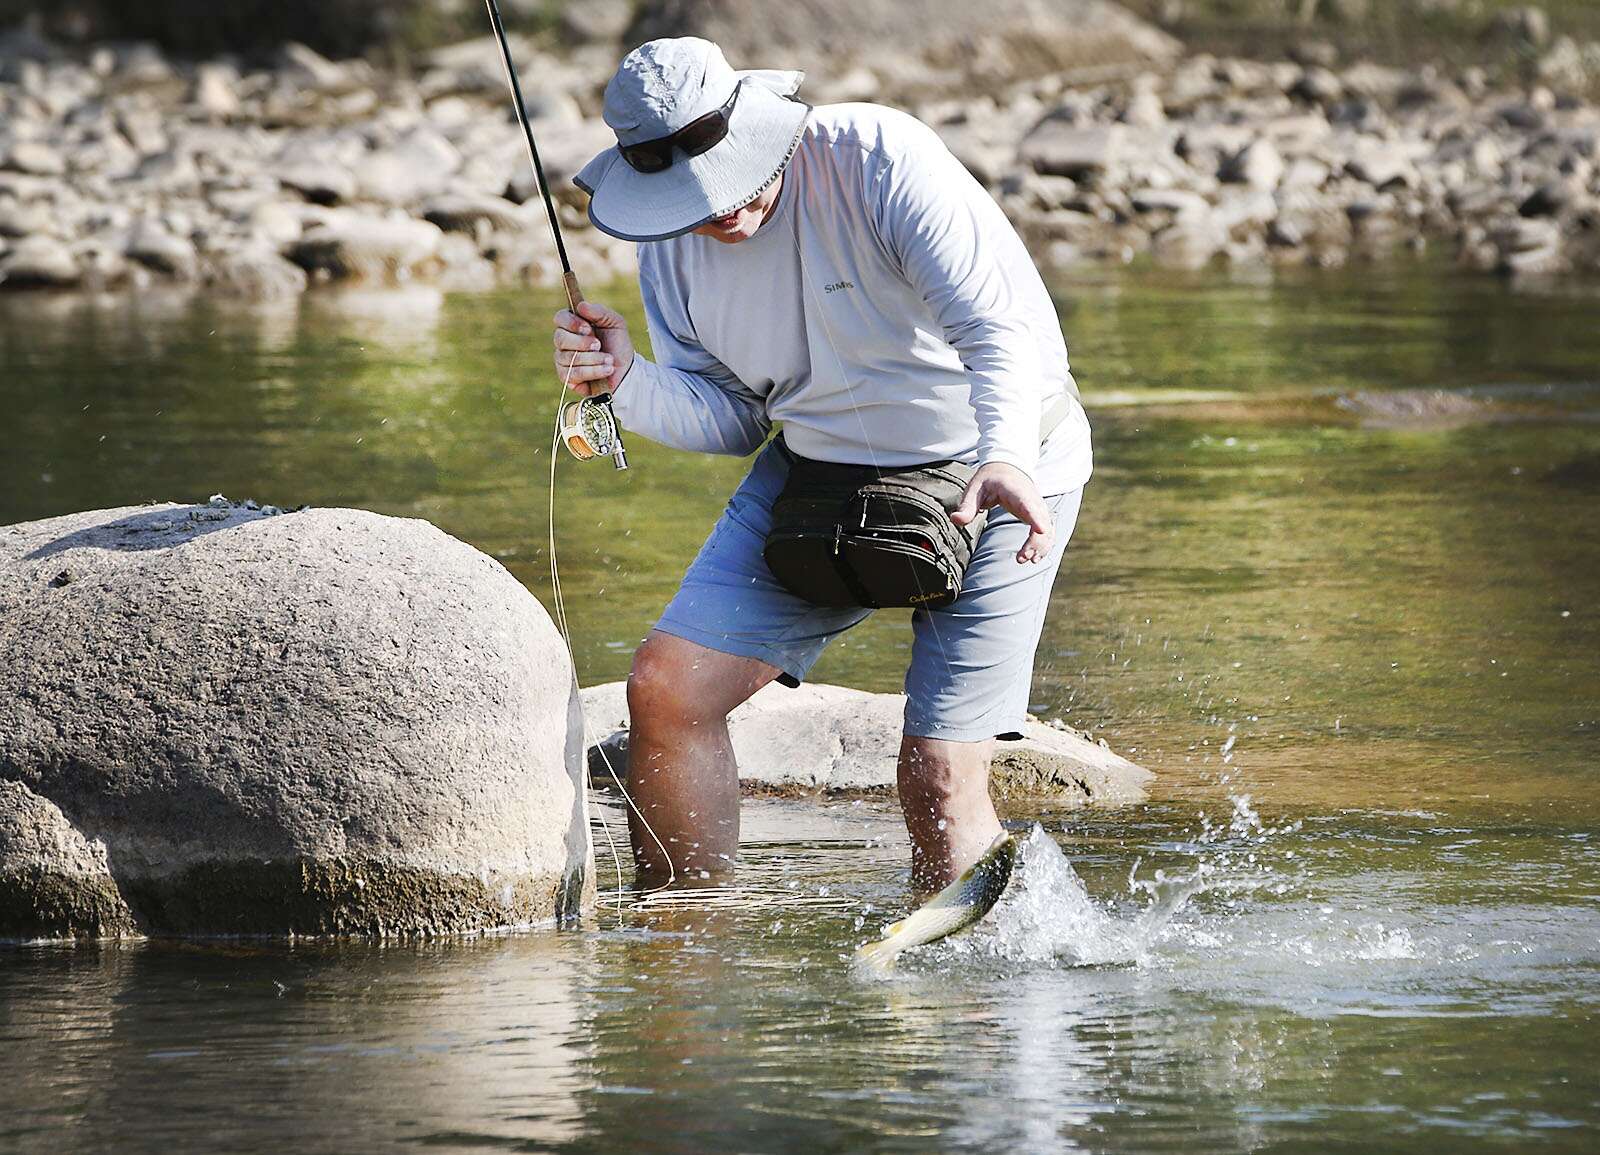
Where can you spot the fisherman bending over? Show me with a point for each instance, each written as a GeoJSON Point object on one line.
{"type": "Point", "coordinates": [834, 269]}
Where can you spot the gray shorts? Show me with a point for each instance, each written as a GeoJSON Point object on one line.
{"type": "Point", "coordinates": [971, 662]}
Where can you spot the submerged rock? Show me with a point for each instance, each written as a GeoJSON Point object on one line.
{"type": "Point", "coordinates": [223, 720]}
{"type": "Point", "coordinates": [821, 737]}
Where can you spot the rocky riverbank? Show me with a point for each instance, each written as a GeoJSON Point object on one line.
{"type": "Point", "coordinates": [120, 167]}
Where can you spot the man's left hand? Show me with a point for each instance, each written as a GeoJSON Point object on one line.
{"type": "Point", "coordinates": [1014, 491]}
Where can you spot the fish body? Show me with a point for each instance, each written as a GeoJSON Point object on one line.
{"type": "Point", "coordinates": [958, 906]}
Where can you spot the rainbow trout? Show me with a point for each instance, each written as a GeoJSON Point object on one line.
{"type": "Point", "coordinates": [958, 906]}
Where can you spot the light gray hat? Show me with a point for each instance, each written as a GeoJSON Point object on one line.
{"type": "Point", "coordinates": [662, 86]}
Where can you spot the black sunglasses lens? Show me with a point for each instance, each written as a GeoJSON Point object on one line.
{"type": "Point", "coordinates": [704, 133]}
{"type": "Point", "coordinates": [651, 156]}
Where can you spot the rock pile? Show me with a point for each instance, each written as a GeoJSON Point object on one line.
{"type": "Point", "coordinates": [121, 167]}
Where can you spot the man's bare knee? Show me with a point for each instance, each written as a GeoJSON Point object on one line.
{"type": "Point", "coordinates": [679, 681]}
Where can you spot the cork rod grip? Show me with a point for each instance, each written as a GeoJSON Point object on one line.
{"type": "Point", "coordinates": [569, 281]}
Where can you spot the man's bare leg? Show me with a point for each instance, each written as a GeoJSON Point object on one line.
{"type": "Point", "coordinates": [944, 792]}
{"type": "Point", "coordinates": [681, 771]}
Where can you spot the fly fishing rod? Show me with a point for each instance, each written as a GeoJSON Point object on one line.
{"type": "Point", "coordinates": [588, 427]}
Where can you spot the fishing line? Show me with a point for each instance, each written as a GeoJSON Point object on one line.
{"type": "Point", "coordinates": [569, 280]}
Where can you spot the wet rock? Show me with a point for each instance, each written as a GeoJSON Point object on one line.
{"type": "Point", "coordinates": [1258, 165]}
{"type": "Point", "coordinates": [234, 722]}
{"type": "Point", "coordinates": [821, 737]}
{"type": "Point", "coordinates": [38, 263]}
{"type": "Point", "coordinates": [347, 243]}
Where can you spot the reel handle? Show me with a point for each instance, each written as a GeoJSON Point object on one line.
{"type": "Point", "coordinates": [569, 282]}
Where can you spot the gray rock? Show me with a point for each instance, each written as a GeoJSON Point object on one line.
{"type": "Point", "coordinates": [1526, 25]}
{"type": "Point", "coordinates": [156, 247]}
{"type": "Point", "coordinates": [466, 212]}
{"type": "Point", "coordinates": [1057, 148]}
{"type": "Point", "coordinates": [255, 273]}
{"type": "Point", "coordinates": [34, 157]}
{"type": "Point", "coordinates": [54, 882]}
{"type": "Point", "coordinates": [348, 243]}
{"type": "Point", "coordinates": [214, 90]}
{"type": "Point", "coordinates": [1258, 165]}
{"type": "Point", "coordinates": [1317, 85]}
{"type": "Point", "coordinates": [321, 183]}
{"type": "Point", "coordinates": [325, 722]}
{"type": "Point", "coordinates": [820, 737]}
{"type": "Point", "coordinates": [308, 68]}
{"type": "Point", "coordinates": [1177, 204]}
{"type": "Point", "coordinates": [596, 21]}
{"type": "Point", "coordinates": [1382, 164]}
{"type": "Point", "coordinates": [1188, 244]}
{"type": "Point", "coordinates": [38, 263]}
{"type": "Point", "coordinates": [418, 167]}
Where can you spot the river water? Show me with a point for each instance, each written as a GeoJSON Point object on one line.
{"type": "Point", "coordinates": [1337, 580]}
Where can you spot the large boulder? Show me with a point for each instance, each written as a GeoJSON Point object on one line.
{"type": "Point", "coordinates": [820, 737]}
{"type": "Point", "coordinates": [224, 719]}
{"type": "Point", "coordinates": [917, 45]}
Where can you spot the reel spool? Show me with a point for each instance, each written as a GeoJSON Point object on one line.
{"type": "Point", "coordinates": [589, 430]}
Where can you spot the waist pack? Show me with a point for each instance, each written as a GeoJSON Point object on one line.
{"type": "Point", "coordinates": [860, 535]}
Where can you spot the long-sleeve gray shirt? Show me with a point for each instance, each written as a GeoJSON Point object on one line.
{"type": "Point", "coordinates": [886, 313]}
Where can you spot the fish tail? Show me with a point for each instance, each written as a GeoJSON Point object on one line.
{"type": "Point", "coordinates": [876, 959]}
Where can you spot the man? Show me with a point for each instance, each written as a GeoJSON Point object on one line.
{"type": "Point", "coordinates": [837, 270]}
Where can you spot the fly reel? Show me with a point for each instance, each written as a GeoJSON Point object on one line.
{"type": "Point", "coordinates": [589, 430]}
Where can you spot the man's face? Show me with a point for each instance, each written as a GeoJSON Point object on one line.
{"type": "Point", "coordinates": [742, 223]}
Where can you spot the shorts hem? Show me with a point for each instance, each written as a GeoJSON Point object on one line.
{"type": "Point", "coordinates": [959, 733]}
{"type": "Point", "coordinates": [723, 644]}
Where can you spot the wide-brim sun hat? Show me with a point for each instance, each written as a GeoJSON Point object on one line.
{"type": "Point", "coordinates": [659, 88]}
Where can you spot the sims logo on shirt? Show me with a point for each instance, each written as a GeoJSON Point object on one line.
{"type": "Point", "coordinates": [837, 285]}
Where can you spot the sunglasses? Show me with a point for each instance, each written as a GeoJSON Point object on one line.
{"type": "Point", "coordinates": [692, 139]}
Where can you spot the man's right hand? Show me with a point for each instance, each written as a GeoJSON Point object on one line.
{"type": "Point", "coordinates": [593, 350]}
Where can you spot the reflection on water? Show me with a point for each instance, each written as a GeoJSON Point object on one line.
{"type": "Point", "coordinates": [1336, 580]}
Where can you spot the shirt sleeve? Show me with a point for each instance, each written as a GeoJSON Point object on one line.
{"type": "Point", "coordinates": [953, 244]}
{"type": "Point", "coordinates": [685, 397]}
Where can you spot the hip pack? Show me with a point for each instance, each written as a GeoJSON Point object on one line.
{"type": "Point", "coordinates": [860, 535]}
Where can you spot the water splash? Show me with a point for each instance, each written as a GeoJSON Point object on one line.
{"type": "Point", "coordinates": [1048, 915]}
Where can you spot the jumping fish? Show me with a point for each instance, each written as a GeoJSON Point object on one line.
{"type": "Point", "coordinates": [958, 906]}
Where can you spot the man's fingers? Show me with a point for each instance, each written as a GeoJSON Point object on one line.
{"type": "Point", "coordinates": [1037, 547]}
{"type": "Point", "coordinates": [574, 341]}
{"type": "Point", "coordinates": [565, 360]}
{"type": "Point", "coordinates": [972, 500]}
{"type": "Point", "coordinates": [572, 323]}
{"type": "Point", "coordinates": [599, 314]}
{"type": "Point", "coordinates": [579, 373]}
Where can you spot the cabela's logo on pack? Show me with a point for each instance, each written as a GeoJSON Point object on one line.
{"type": "Point", "coordinates": [837, 285]}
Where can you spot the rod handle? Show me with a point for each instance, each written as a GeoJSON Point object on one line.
{"type": "Point", "coordinates": [569, 281]}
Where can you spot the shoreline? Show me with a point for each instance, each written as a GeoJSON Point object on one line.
{"type": "Point", "coordinates": [123, 170]}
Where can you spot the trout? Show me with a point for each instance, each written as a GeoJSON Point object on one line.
{"type": "Point", "coordinates": [958, 906]}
